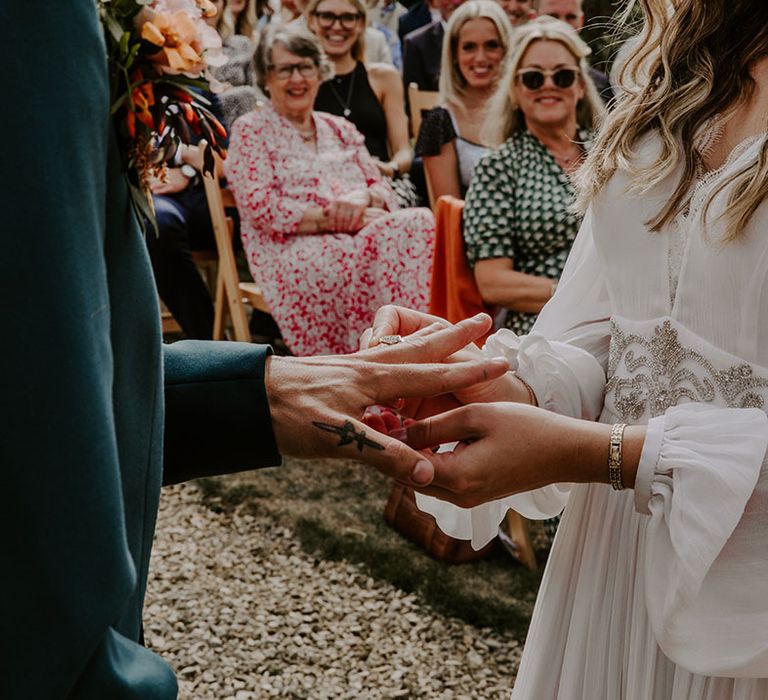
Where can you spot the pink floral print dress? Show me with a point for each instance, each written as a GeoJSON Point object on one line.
{"type": "Point", "coordinates": [323, 289]}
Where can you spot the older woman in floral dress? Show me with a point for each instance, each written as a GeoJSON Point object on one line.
{"type": "Point", "coordinates": [320, 227]}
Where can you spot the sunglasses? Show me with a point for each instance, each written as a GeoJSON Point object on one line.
{"type": "Point", "coordinates": [347, 20]}
{"type": "Point", "coordinates": [284, 71]}
{"type": "Point", "coordinates": [534, 79]}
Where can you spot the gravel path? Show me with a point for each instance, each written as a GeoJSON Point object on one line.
{"type": "Point", "coordinates": [242, 612]}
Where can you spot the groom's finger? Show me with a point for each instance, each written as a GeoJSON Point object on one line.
{"type": "Point", "coordinates": [352, 439]}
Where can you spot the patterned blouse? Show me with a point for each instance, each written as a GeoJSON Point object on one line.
{"type": "Point", "coordinates": [517, 208]}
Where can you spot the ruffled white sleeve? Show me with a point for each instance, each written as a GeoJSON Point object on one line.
{"type": "Point", "coordinates": [564, 360]}
{"type": "Point", "coordinates": [703, 479]}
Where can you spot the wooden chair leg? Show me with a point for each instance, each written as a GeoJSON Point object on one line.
{"type": "Point", "coordinates": [517, 528]}
{"type": "Point", "coordinates": [219, 309]}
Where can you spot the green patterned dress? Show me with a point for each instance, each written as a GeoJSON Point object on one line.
{"type": "Point", "coordinates": [518, 207]}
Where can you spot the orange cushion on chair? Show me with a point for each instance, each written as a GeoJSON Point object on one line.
{"type": "Point", "coordinates": [454, 293]}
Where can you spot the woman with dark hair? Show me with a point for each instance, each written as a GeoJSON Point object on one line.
{"type": "Point", "coordinates": [654, 353]}
{"type": "Point", "coordinates": [320, 226]}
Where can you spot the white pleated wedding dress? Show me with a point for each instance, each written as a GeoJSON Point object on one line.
{"type": "Point", "coordinates": [661, 592]}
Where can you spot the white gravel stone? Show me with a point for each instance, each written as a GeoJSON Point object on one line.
{"type": "Point", "coordinates": [241, 613]}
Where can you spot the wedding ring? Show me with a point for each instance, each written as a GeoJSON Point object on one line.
{"type": "Point", "coordinates": [391, 339]}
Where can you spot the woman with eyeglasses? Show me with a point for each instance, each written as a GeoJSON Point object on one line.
{"type": "Point", "coordinates": [518, 222]}
{"type": "Point", "coordinates": [370, 95]}
{"type": "Point", "coordinates": [450, 142]}
{"type": "Point", "coordinates": [321, 228]}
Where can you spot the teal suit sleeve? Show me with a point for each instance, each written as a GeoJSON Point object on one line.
{"type": "Point", "coordinates": [67, 570]}
{"type": "Point", "coordinates": [216, 411]}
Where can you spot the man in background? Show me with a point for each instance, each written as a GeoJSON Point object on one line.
{"type": "Point", "coordinates": [422, 49]}
{"type": "Point", "coordinates": [572, 12]}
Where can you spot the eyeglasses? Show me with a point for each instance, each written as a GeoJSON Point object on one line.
{"type": "Point", "coordinates": [284, 71]}
{"type": "Point", "coordinates": [347, 20]}
{"type": "Point", "coordinates": [534, 79]}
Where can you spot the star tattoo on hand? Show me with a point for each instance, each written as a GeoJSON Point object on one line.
{"type": "Point", "coordinates": [347, 435]}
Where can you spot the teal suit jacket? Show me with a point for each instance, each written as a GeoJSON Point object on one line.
{"type": "Point", "coordinates": [88, 391]}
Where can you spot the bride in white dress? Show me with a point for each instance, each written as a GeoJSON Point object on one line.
{"type": "Point", "coordinates": [658, 591]}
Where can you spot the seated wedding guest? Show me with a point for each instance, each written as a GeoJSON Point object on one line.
{"type": "Point", "coordinates": [450, 139]}
{"type": "Point", "coordinates": [419, 15]}
{"type": "Point", "coordinates": [183, 225]}
{"type": "Point", "coordinates": [183, 221]}
{"type": "Point", "coordinates": [321, 229]}
{"type": "Point", "coordinates": [572, 12]}
{"type": "Point", "coordinates": [518, 224]}
{"type": "Point", "coordinates": [370, 96]}
{"type": "Point", "coordinates": [518, 11]}
{"type": "Point", "coordinates": [376, 46]}
{"type": "Point", "coordinates": [240, 17]}
{"type": "Point", "coordinates": [422, 49]}
{"type": "Point", "coordinates": [384, 15]}
{"type": "Point", "coordinates": [237, 90]}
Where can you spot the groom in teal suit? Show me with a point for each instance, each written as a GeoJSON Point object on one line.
{"type": "Point", "coordinates": [90, 395]}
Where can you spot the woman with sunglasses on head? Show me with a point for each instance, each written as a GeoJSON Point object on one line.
{"type": "Point", "coordinates": [370, 95]}
{"type": "Point", "coordinates": [450, 141]}
{"type": "Point", "coordinates": [650, 367]}
{"type": "Point", "coordinates": [518, 222]}
{"type": "Point", "coordinates": [321, 228]}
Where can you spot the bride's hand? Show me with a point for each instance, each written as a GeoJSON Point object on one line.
{"type": "Point", "coordinates": [396, 320]}
{"type": "Point", "coordinates": [509, 448]}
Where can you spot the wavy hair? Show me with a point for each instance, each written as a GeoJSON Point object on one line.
{"type": "Point", "coordinates": [692, 65]}
{"type": "Point", "coordinates": [358, 48]}
{"type": "Point", "coordinates": [504, 116]}
{"type": "Point", "coordinates": [452, 85]}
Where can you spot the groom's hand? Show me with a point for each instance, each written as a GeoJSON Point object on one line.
{"type": "Point", "coordinates": [317, 403]}
{"type": "Point", "coordinates": [390, 320]}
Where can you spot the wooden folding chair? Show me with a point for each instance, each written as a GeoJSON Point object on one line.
{"type": "Point", "coordinates": [231, 293]}
{"type": "Point", "coordinates": [455, 296]}
{"type": "Point", "coordinates": [420, 101]}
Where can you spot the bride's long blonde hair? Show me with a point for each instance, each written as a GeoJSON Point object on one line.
{"type": "Point", "coordinates": [691, 64]}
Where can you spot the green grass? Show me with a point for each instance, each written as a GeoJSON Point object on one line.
{"type": "Point", "coordinates": [335, 508]}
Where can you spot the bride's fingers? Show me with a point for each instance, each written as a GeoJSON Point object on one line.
{"type": "Point", "coordinates": [435, 343]}
{"type": "Point", "coordinates": [459, 425]}
{"type": "Point", "coordinates": [397, 320]}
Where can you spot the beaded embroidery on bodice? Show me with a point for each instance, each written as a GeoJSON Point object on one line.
{"type": "Point", "coordinates": [647, 374]}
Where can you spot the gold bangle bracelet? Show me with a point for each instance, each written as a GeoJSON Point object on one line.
{"type": "Point", "coordinates": [615, 456]}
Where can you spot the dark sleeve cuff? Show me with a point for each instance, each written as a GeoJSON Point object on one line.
{"type": "Point", "coordinates": [217, 416]}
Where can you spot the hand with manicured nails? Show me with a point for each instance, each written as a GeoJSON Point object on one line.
{"type": "Point", "coordinates": [317, 403]}
{"type": "Point", "coordinates": [508, 448]}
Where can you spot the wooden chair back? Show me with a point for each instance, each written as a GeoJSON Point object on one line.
{"type": "Point", "coordinates": [419, 102]}
{"type": "Point", "coordinates": [231, 293]}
